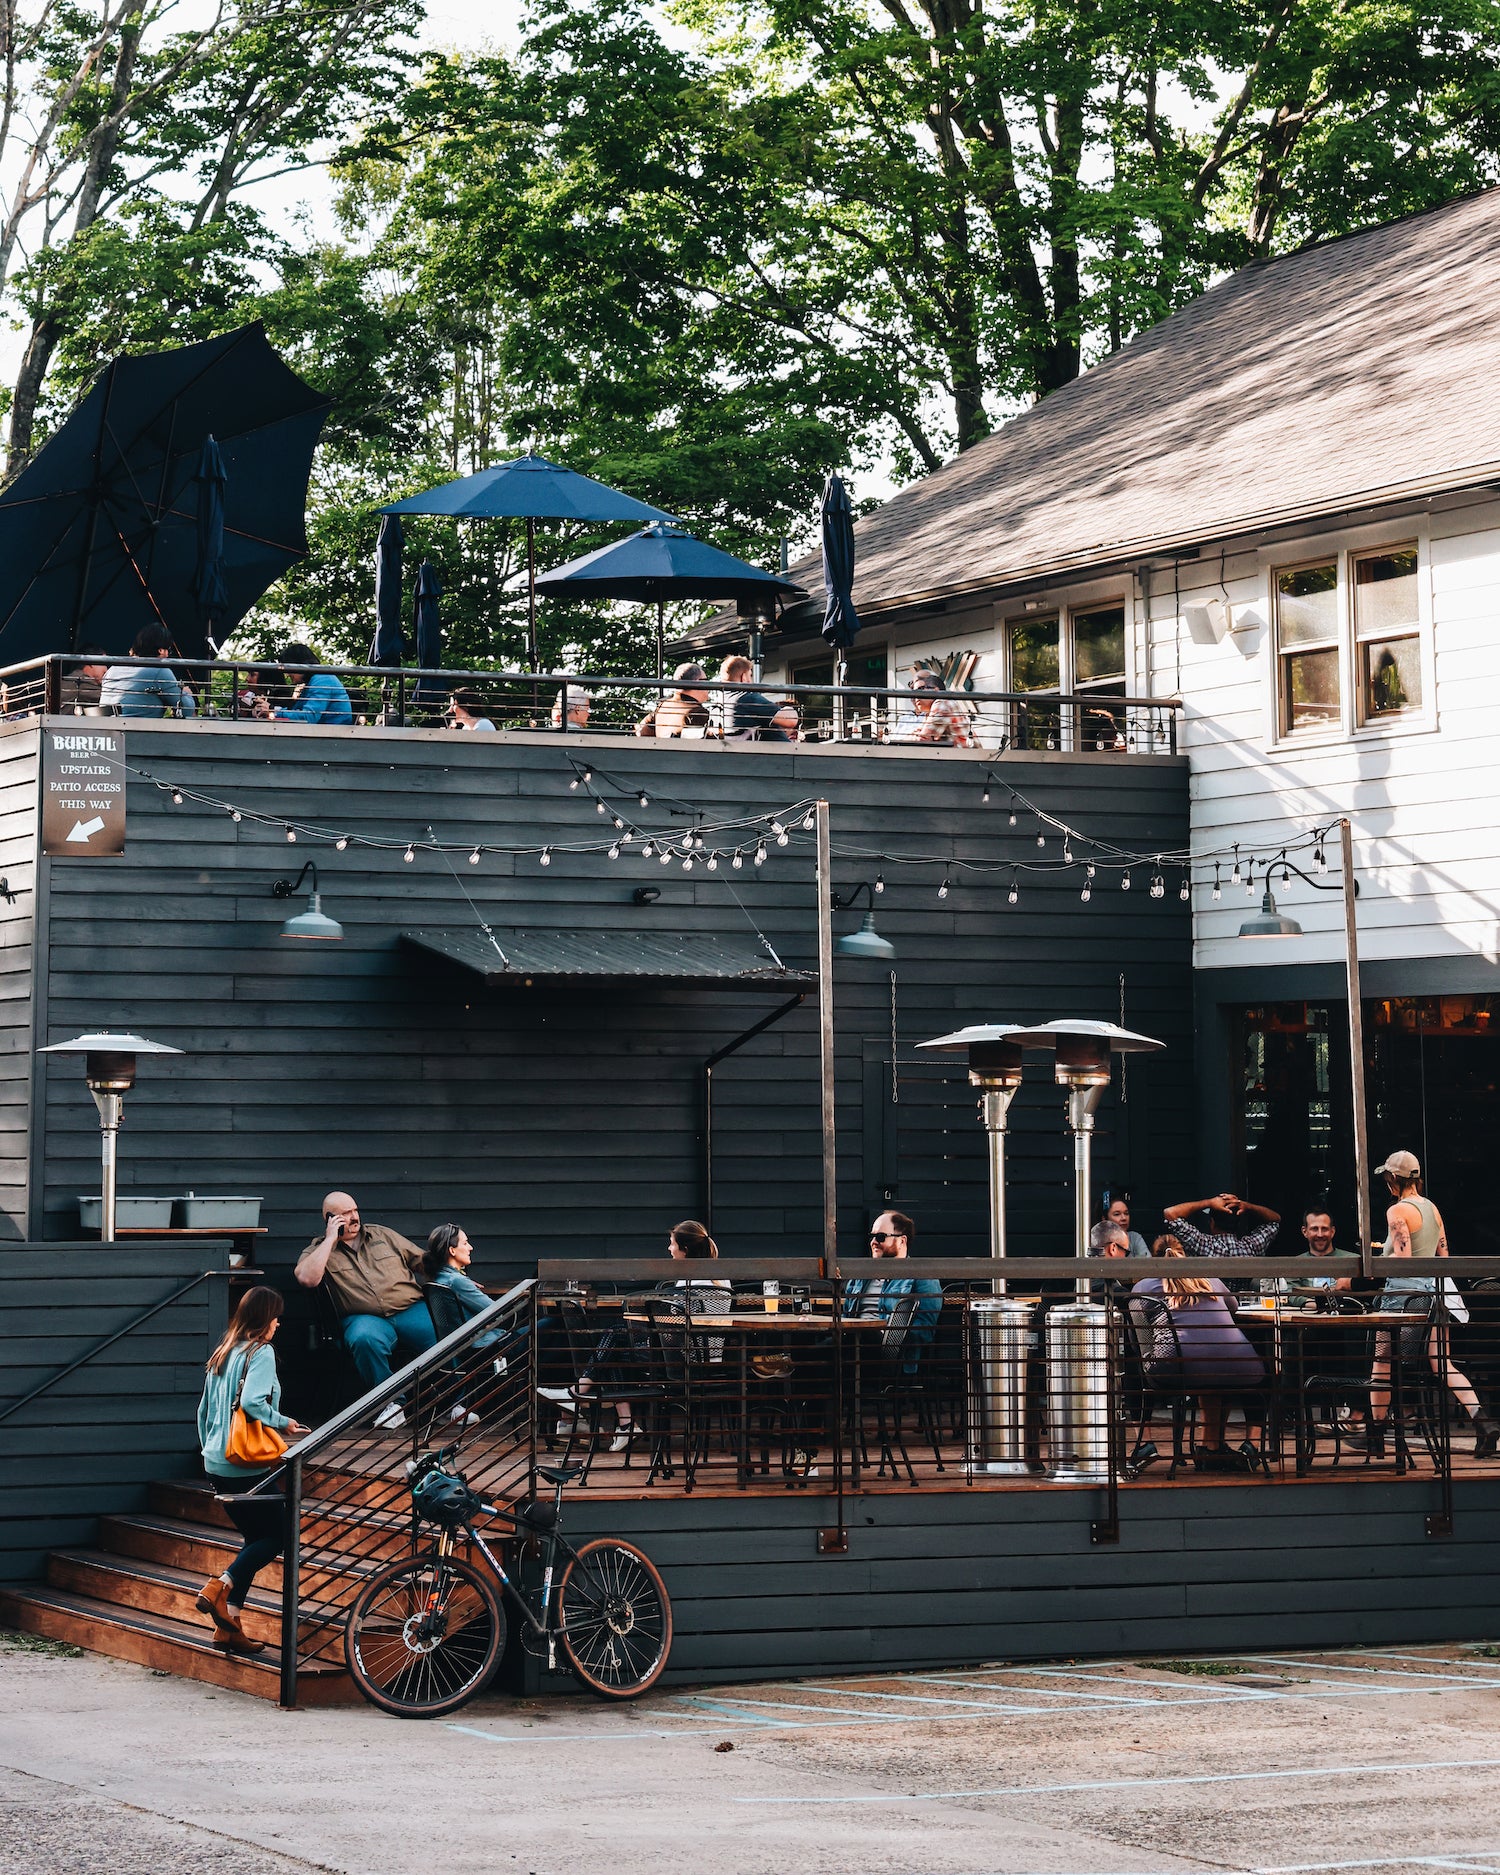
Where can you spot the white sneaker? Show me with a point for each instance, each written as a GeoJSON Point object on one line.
{"type": "Point", "coordinates": [461, 1416]}
{"type": "Point", "coordinates": [502, 1366]}
{"type": "Point", "coordinates": [560, 1394]}
{"type": "Point", "coordinates": [621, 1441]}
{"type": "Point", "coordinates": [391, 1415]}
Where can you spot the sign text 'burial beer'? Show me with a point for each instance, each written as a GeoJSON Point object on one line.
{"type": "Point", "coordinates": [83, 793]}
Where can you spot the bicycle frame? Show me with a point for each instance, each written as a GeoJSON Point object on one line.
{"type": "Point", "coordinates": [551, 1541]}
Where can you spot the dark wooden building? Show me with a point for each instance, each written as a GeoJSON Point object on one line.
{"type": "Point", "coordinates": [557, 1108]}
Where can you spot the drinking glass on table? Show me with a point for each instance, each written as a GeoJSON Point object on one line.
{"type": "Point", "coordinates": [772, 1294]}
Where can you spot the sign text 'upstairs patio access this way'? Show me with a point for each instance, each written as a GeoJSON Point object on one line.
{"type": "Point", "coordinates": [83, 793]}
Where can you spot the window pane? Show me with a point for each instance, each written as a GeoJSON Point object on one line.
{"type": "Point", "coordinates": [1312, 690]}
{"type": "Point", "coordinates": [1307, 605]}
{"type": "Point", "coordinates": [1385, 593]}
{"type": "Point", "coordinates": [1099, 644]}
{"type": "Point", "coordinates": [1392, 676]}
{"type": "Point", "coordinates": [1034, 663]}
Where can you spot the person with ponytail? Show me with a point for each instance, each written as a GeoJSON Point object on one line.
{"type": "Point", "coordinates": [242, 1375]}
{"type": "Point", "coordinates": [699, 1295]}
{"type": "Point", "coordinates": [1216, 1358]}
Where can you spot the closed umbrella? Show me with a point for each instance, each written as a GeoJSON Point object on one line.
{"type": "Point", "coordinates": [661, 562]}
{"type": "Point", "coordinates": [388, 647]}
{"type": "Point", "coordinates": [530, 489]}
{"type": "Point", "coordinates": [209, 588]}
{"type": "Point", "coordinates": [840, 620]}
{"type": "Point", "coordinates": [429, 631]}
{"type": "Point", "coordinates": [101, 533]}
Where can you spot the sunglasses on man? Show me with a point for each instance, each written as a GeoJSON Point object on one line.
{"type": "Point", "coordinates": [885, 1236]}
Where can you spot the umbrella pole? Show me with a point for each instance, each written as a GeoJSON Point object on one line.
{"type": "Point", "coordinates": [531, 646]}
{"type": "Point", "coordinates": [840, 678]}
{"type": "Point", "coordinates": [661, 639]}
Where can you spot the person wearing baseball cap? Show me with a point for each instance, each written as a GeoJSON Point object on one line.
{"type": "Point", "coordinates": [1415, 1229]}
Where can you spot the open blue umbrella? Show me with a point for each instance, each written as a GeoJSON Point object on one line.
{"type": "Point", "coordinates": [101, 533]}
{"type": "Point", "coordinates": [530, 489]}
{"type": "Point", "coordinates": [661, 562]}
{"type": "Point", "coordinates": [429, 631]}
{"type": "Point", "coordinates": [388, 647]}
{"type": "Point", "coordinates": [209, 588]}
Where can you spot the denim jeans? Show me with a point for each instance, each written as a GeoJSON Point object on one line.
{"type": "Point", "coordinates": [262, 1523]}
{"type": "Point", "coordinates": [372, 1339]}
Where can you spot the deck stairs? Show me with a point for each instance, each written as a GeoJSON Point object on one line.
{"type": "Point", "coordinates": [131, 1594]}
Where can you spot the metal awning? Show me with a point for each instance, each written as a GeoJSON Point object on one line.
{"type": "Point", "coordinates": [665, 959]}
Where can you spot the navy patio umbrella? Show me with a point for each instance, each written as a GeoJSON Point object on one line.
{"type": "Point", "coordinates": [429, 628]}
{"type": "Point", "coordinates": [840, 620]}
{"type": "Point", "coordinates": [388, 646]}
{"type": "Point", "coordinates": [100, 533]}
{"type": "Point", "coordinates": [530, 489]}
{"type": "Point", "coordinates": [659, 563]}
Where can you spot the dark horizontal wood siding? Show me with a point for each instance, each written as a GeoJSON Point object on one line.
{"type": "Point", "coordinates": [18, 988]}
{"type": "Point", "coordinates": [90, 1445]}
{"type": "Point", "coordinates": [565, 1120]}
{"type": "Point", "coordinates": [956, 1578]}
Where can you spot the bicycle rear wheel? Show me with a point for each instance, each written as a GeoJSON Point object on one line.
{"type": "Point", "coordinates": [424, 1636]}
{"type": "Point", "coordinates": [615, 1618]}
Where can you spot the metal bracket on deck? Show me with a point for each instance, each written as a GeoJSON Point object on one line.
{"type": "Point", "coordinates": [1438, 1523]}
{"type": "Point", "coordinates": [1105, 1530]}
{"type": "Point", "coordinates": [833, 1542]}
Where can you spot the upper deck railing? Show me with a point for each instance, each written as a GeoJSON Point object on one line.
{"type": "Point", "coordinates": [602, 706]}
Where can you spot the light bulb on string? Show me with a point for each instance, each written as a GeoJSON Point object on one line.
{"type": "Point", "coordinates": [712, 862]}
{"type": "Point", "coordinates": [985, 797]}
{"type": "Point", "coordinates": [687, 864]}
{"type": "Point", "coordinates": [666, 856]}
{"type": "Point", "coordinates": [1158, 886]}
{"type": "Point", "coordinates": [614, 851]}
{"type": "Point", "coordinates": [599, 806]}
{"type": "Point", "coordinates": [1013, 896]}
{"type": "Point", "coordinates": [648, 850]}
{"type": "Point", "coordinates": [1185, 891]}
{"type": "Point", "coordinates": [879, 882]}
{"type": "Point", "coordinates": [1041, 838]}
{"type": "Point", "coordinates": [1013, 817]}
{"type": "Point", "coordinates": [628, 836]}
{"type": "Point", "coordinates": [783, 837]}
{"type": "Point", "coordinates": [1067, 851]}
{"type": "Point", "coordinates": [1320, 858]}
{"type": "Point", "coordinates": [760, 853]}
{"type": "Point", "coordinates": [235, 815]}
{"type": "Point", "coordinates": [545, 858]}
{"type": "Point", "coordinates": [1125, 880]}
{"type": "Point", "coordinates": [1087, 893]}
{"type": "Point", "coordinates": [1088, 871]}
{"type": "Point", "coordinates": [777, 828]}
{"type": "Point", "coordinates": [1234, 877]}
{"type": "Point", "coordinates": [644, 798]}
{"type": "Point", "coordinates": [1250, 880]}
{"type": "Point", "coordinates": [291, 836]}
{"type": "Point", "coordinates": [738, 860]}
{"type": "Point", "coordinates": [341, 844]}
{"type": "Point", "coordinates": [618, 823]}
{"type": "Point", "coordinates": [411, 853]}
{"type": "Point", "coordinates": [809, 821]}
{"type": "Point", "coordinates": [574, 784]}
{"type": "Point", "coordinates": [474, 857]}
{"type": "Point", "coordinates": [943, 888]}
{"type": "Point", "coordinates": [1218, 890]}
{"type": "Point", "coordinates": [1286, 871]}
{"type": "Point", "coordinates": [177, 797]}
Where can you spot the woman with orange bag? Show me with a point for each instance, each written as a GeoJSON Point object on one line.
{"type": "Point", "coordinates": [241, 1428]}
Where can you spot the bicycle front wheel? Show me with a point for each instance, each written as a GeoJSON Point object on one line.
{"type": "Point", "coordinates": [615, 1618]}
{"type": "Point", "coordinates": [424, 1636]}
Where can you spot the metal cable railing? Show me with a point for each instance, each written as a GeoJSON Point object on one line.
{"type": "Point", "coordinates": [600, 706]}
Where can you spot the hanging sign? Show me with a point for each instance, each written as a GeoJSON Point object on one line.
{"type": "Point", "coordinates": [83, 793]}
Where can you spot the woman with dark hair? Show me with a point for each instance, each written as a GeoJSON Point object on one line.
{"type": "Point", "coordinates": [242, 1375]}
{"type": "Point", "coordinates": [317, 696]}
{"type": "Point", "coordinates": [1199, 1326]}
{"type": "Point", "coordinates": [698, 1295]}
{"type": "Point", "coordinates": [445, 1264]}
{"type": "Point", "coordinates": [141, 690]}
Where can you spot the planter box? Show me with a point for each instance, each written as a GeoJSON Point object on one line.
{"type": "Point", "coordinates": [131, 1213]}
{"type": "Point", "coordinates": [195, 1213]}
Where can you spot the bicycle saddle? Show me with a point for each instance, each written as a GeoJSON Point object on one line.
{"type": "Point", "coordinates": [560, 1474]}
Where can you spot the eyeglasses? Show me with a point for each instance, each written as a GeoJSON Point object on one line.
{"type": "Point", "coordinates": [885, 1236]}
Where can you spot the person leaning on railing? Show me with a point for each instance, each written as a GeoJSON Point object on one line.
{"type": "Point", "coordinates": [142, 689]}
{"type": "Point", "coordinates": [241, 1375]}
{"type": "Point", "coordinates": [684, 710]}
{"type": "Point", "coordinates": [374, 1275]}
{"type": "Point", "coordinates": [318, 697]}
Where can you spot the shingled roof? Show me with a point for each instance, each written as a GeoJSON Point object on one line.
{"type": "Point", "coordinates": [1342, 376]}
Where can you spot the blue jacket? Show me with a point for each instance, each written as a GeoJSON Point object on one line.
{"type": "Point", "coordinates": [471, 1299]}
{"type": "Point", "coordinates": [323, 700]}
{"type": "Point", "coordinates": [895, 1291]}
{"type": "Point", "coordinates": [261, 1400]}
{"type": "Point", "coordinates": [145, 690]}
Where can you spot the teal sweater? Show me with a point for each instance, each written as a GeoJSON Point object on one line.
{"type": "Point", "coordinates": [261, 1400]}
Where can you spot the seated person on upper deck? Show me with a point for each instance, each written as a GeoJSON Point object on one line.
{"type": "Point", "coordinates": [890, 1236]}
{"type": "Point", "coordinates": [318, 697]}
{"type": "Point", "coordinates": [750, 715]}
{"type": "Point", "coordinates": [374, 1275]}
{"type": "Point", "coordinates": [1215, 1356]}
{"type": "Point", "coordinates": [82, 683]}
{"type": "Point", "coordinates": [1318, 1235]}
{"type": "Point", "coordinates": [681, 711]}
{"type": "Point", "coordinates": [936, 717]}
{"type": "Point", "coordinates": [466, 711]}
{"type": "Point", "coordinates": [1112, 1241]}
{"type": "Point", "coordinates": [580, 702]}
{"type": "Point", "coordinates": [142, 689]}
{"type": "Point", "coordinates": [445, 1264]}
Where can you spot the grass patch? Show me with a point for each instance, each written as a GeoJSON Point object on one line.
{"type": "Point", "coordinates": [39, 1644]}
{"type": "Point", "coordinates": [1487, 1650]}
{"type": "Point", "coordinates": [1210, 1669]}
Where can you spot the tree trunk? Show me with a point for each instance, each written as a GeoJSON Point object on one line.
{"type": "Point", "coordinates": [45, 334]}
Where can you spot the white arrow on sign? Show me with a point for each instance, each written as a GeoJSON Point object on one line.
{"type": "Point", "coordinates": [85, 829]}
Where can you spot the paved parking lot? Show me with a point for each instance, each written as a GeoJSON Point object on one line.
{"type": "Point", "coordinates": [1285, 1764]}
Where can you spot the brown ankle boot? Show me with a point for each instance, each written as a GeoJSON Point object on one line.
{"type": "Point", "coordinates": [213, 1600]}
{"type": "Point", "coordinates": [229, 1635]}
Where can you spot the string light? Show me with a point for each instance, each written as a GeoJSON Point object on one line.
{"type": "Point", "coordinates": [1089, 870]}
{"type": "Point", "coordinates": [1250, 879]}
{"type": "Point", "coordinates": [235, 815]}
{"type": "Point", "coordinates": [614, 851]}
{"type": "Point", "coordinates": [644, 798]}
{"type": "Point", "coordinates": [1234, 877]}
{"type": "Point", "coordinates": [1041, 838]}
{"type": "Point", "coordinates": [411, 853]}
{"type": "Point", "coordinates": [943, 888]}
{"type": "Point", "coordinates": [340, 845]}
{"type": "Point", "coordinates": [1125, 880]}
{"type": "Point", "coordinates": [760, 853]}
{"type": "Point", "coordinates": [666, 856]}
{"type": "Point", "coordinates": [1013, 817]}
{"type": "Point", "coordinates": [474, 857]}
{"type": "Point", "coordinates": [1088, 891]}
{"type": "Point", "coordinates": [712, 862]}
{"type": "Point", "coordinates": [648, 850]}
{"type": "Point", "coordinates": [1218, 891]}
{"type": "Point", "coordinates": [1067, 852]}
{"type": "Point", "coordinates": [291, 836]}
{"type": "Point", "coordinates": [738, 861]}
{"type": "Point", "coordinates": [1158, 886]}
{"type": "Point", "coordinates": [777, 829]}
{"type": "Point", "coordinates": [687, 864]}
{"type": "Point", "coordinates": [809, 821]}
{"type": "Point", "coordinates": [575, 784]}
{"type": "Point", "coordinates": [588, 774]}
{"type": "Point", "coordinates": [546, 856]}
{"type": "Point", "coordinates": [782, 837]}
{"type": "Point", "coordinates": [1185, 891]}
{"type": "Point", "coordinates": [618, 823]}
{"type": "Point", "coordinates": [1013, 896]}
{"type": "Point", "coordinates": [599, 806]}
{"type": "Point", "coordinates": [627, 836]}
{"type": "Point", "coordinates": [1320, 858]}
{"type": "Point", "coordinates": [985, 797]}
{"type": "Point", "coordinates": [177, 797]}
{"type": "Point", "coordinates": [879, 882]}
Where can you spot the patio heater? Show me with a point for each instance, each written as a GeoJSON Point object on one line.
{"type": "Point", "coordinates": [999, 1323]}
{"type": "Point", "coordinates": [109, 1069]}
{"type": "Point", "coordinates": [1078, 1405]}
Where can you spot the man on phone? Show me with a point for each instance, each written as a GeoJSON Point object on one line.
{"type": "Point", "coordinates": [373, 1274]}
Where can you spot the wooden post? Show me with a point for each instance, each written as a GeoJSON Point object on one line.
{"type": "Point", "coordinates": [1356, 1047]}
{"type": "Point", "coordinates": [825, 1037]}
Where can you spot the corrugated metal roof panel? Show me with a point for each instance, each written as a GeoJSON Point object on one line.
{"type": "Point", "coordinates": [663, 958]}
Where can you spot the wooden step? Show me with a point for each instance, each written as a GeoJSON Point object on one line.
{"type": "Point", "coordinates": [159, 1589]}
{"type": "Point", "coordinates": [202, 1550]}
{"type": "Point", "coordinates": [191, 1499]}
{"type": "Point", "coordinates": [154, 1640]}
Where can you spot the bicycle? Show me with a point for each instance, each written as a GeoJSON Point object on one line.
{"type": "Point", "coordinates": [426, 1633]}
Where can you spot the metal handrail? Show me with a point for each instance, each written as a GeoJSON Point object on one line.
{"type": "Point", "coordinates": [108, 1342]}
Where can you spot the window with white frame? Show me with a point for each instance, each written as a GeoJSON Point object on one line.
{"type": "Point", "coordinates": [1082, 651]}
{"type": "Point", "coordinates": [1307, 648]}
{"type": "Point", "coordinates": [1387, 634]}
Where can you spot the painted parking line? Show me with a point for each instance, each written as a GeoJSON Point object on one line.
{"type": "Point", "coordinates": [1475, 1861]}
{"type": "Point", "coordinates": [1137, 1783]}
{"type": "Point", "coordinates": [1334, 1666]}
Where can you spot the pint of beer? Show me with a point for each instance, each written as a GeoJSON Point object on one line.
{"type": "Point", "coordinates": [772, 1294]}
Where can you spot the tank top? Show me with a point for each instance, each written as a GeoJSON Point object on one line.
{"type": "Point", "coordinates": [1424, 1243]}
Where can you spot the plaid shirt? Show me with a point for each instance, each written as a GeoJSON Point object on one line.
{"type": "Point", "coordinates": [1202, 1243]}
